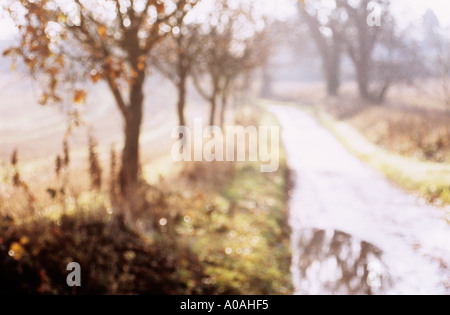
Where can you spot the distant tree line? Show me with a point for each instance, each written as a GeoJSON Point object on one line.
{"type": "Point", "coordinates": [382, 53]}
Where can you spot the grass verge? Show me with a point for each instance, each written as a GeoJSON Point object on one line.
{"type": "Point", "coordinates": [429, 180]}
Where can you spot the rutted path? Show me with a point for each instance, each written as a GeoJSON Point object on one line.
{"type": "Point", "coordinates": [353, 230]}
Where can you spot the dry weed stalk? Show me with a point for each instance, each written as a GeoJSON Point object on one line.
{"type": "Point", "coordinates": [58, 166]}
{"type": "Point", "coordinates": [95, 170]}
{"type": "Point", "coordinates": [66, 151]}
{"type": "Point", "coordinates": [113, 173]}
{"type": "Point", "coordinates": [18, 182]}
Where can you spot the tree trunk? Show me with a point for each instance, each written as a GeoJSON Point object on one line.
{"type": "Point", "coordinates": [223, 108]}
{"type": "Point", "coordinates": [362, 75]}
{"type": "Point", "coordinates": [266, 88]}
{"type": "Point", "coordinates": [130, 156]}
{"type": "Point", "coordinates": [332, 80]}
{"type": "Point", "coordinates": [382, 93]}
{"type": "Point", "coordinates": [181, 100]}
{"type": "Point", "coordinates": [330, 52]}
{"type": "Point", "coordinates": [213, 102]}
{"type": "Point", "coordinates": [333, 69]}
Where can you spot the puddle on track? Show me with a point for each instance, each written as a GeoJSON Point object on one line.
{"type": "Point", "coordinates": [333, 262]}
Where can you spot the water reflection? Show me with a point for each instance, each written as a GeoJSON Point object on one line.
{"type": "Point", "coordinates": [333, 262]}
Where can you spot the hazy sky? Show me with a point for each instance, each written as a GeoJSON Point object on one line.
{"type": "Point", "coordinates": [406, 9]}
{"type": "Point", "coordinates": [414, 9]}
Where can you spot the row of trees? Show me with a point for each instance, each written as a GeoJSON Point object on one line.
{"type": "Point", "coordinates": [215, 53]}
{"type": "Point", "coordinates": [66, 43]}
{"type": "Point", "coordinates": [366, 32]}
{"type": "Point", "coordinates": [437, 44]}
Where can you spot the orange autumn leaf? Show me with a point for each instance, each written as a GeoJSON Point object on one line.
{"type": "Point", "coordinates": [8, 52]}
{"type": "Point", "coordinates": [200, 196]}
{"type": "Point", "coordinates": [44, 99]}
{"type": "Point", "coordinates": [79, 96]}
{"type": "Point", "coordinates": [101, 31]}
{"type": "Point", "coordinates": [53, 71]}
{"type": "Point", "coordinates": [62, 18]}
{"type": "Point", "coordinates": [141, 66]}
{"type": "Point", "coordinates": [24, 240]}
{"type": "Point", "coordinates": [160, 8]}
{"type": "Point", "coordinates": [60, 60]}
{"type": "Point", "coordinates": [96, 76]}
{"type": "Point", "coordinates": [16, 251]}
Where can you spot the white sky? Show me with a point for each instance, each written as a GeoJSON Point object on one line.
{"type": "Point", "coordinates": [408, 10]}
{"type": "Point", "coordinates": [413, 10]}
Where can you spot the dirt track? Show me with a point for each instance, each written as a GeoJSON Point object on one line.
{"type": "Point", "coordinates": [353, 230]}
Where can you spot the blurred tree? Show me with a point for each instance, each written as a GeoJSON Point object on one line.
{"type": "Point", "coordinates": [442, 61]}
{"type": "Point", "coordinates": [253, 53]}
{"type": "Point", "coordinates": [361, 39]}
{"type": "Point", "coordinates": [437, 45]}
{"type": "Point", "coordinates": [175, 58]}
{"type": "Point", "coordinates": [290, 47]}
{"type": "Point", "coordinates": [66, 43]}
{"type": "Point", "coordinates": [431, 27]}
{"type": "Point", "coordinates": [396, 59]}
{"type": "Point", "coordinates": [381, 54]}
{"type": "Point", "coordinates": [325, 22]}
{"type": "Point", "coordinates": [227, 51]}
